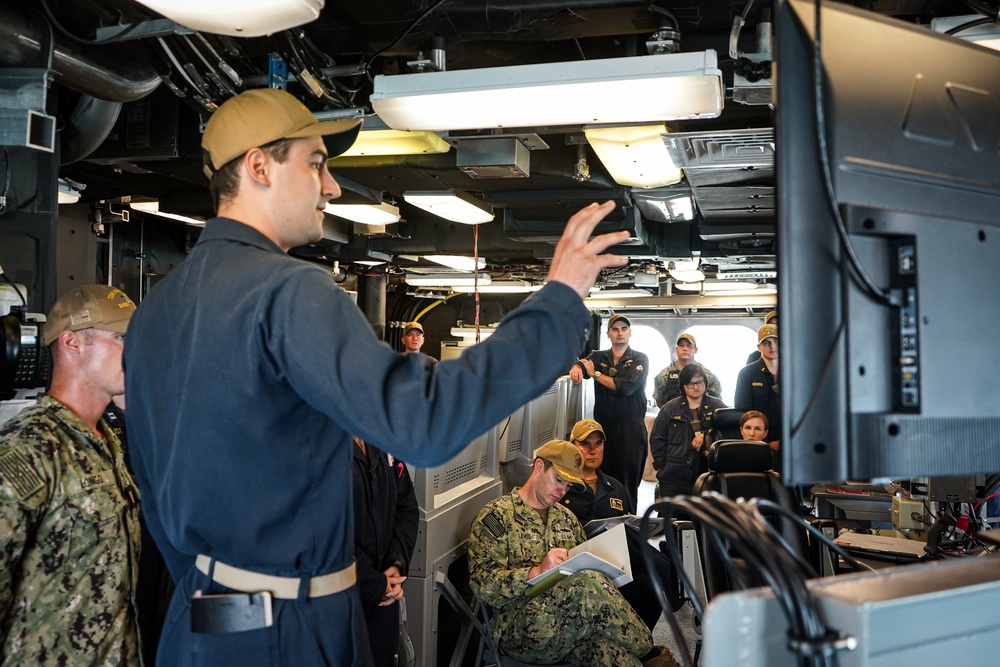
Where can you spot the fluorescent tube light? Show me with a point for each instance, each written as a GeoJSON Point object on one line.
{"type": "Point", "coordinates": [445, 279]}
{"type": "Point", "coordinates": [695, 276]}
{"type": "Point", "coordinates": [634, 155]}
{"type": "Point", "coordinates": [457, 262]}
{"type": "Point", "coordinates": [395, 142]}
{"type": "Point", "coordinates": [618, 293]}
{"type": "Point", "coordinates": [69, 191]}
{"type": "Point", "coordinates": [610, 90]}
{"type": "Point", "coordinates": [153, 207]}
{"type": "Point", "coordinates": [366, 214]}
{"type": "Point", "coordinates": [238, 18]}
{"type": "Point", "coordinates": [470, 332]}
{"type": "Point", "coordinates": [727, 286]}
{"type": "Point", "coordinates": [686, 270]}
{"type": "Point", "coordinates": [686, 264]}
{"type": "Point", "coordinates": [503, 287]}
{"type": "Point", "coordinates": [456, 206]}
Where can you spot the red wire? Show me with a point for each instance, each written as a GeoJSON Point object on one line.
{"type": "Point", "coordinates": [475, 269]}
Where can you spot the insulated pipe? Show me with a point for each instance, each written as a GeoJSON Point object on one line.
{"type": "Point", "coordinates": [84, 69]}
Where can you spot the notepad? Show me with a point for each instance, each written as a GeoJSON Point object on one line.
{"type": "Point", "coordinates": [606, 553]}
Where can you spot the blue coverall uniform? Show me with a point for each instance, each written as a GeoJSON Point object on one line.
{"type": "Point", "coordinates": [247, 371]}
{"type": "Point", "coordinates": [622, 413]}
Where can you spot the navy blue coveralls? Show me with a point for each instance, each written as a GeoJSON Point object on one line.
{"type": "Point", "coordinates": [622, 414]}
{"type": "Point", "coordinates": [247, 373]}
{"type": "Point", "coordinates": [677, 463]}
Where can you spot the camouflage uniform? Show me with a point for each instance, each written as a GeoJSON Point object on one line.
{"type": "Point", "coordinates": [582, 620]}
{"type": "Point", "coordinates": [666, 384]}
{"type": "Point", "coordinates": [69, 543]}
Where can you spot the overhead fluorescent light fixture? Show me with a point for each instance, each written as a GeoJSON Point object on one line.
{"type": "Point", "coordinates": [503, 287]}
{"type": "Point", "coordinates": [451, 205]}
{"type": "Point", "coordinates": [470, 332]}
{"type": "Point", "coordinates": [365, 214]}
{"type": "Point", "coordinates": [695, 276]}
{"type": "Point", "coordinates": [726, 287]}
{"type": "Point", "coordinates": [634, 155]}
{"type": "Point", "coordinates": [153, 207]}
{"type": "Point", "coordinates": [686, 264]}
{"type": "Point", "coordinates": [686, 270]}
{"type": "Point", "coordinates": [238, 18]}
{"type": "Point", "coordinates": [618, 293]}
{"type": "Point", "coordinates": [395, 142]}
{"type": "Point", "coordinates": [446, 279]}
{"type": "Point", "coordinates": [612, 90]}
{"type": "Point", "coordinates": [457, 262]}
{"type": "Point", "coordinates": [69, 191]}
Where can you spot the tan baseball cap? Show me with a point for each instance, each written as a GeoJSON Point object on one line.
{"type": "Point", "coordinates": [412, 325]}
{"type": "Point", "coordinates": [770, 316]}
{"type": "Point", "coordinates": [583, 428]}
{"type": "Point", "coordinates": [565, 457]}
{"type": "Point", "coordinates": [262, 115]}
{"type": "Point", "coordinates": [688, 337]}
{"type": "Point", "coordinates": [765, 332]}
{"type": "Point", "coordinates": [89, 307]}
{"type": "Point", "coordinates": [616, 318]}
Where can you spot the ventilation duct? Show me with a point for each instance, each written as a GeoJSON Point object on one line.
{"type": "Point", "coordinates": [88, 71]}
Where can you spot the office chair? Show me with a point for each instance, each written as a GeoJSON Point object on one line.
{"type": "Point", "coordinates": [742, 469]}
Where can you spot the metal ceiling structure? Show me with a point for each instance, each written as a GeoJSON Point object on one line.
{"type": "Point", "coordinates": [132, 91]}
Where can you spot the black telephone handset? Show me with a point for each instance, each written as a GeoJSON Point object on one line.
{"type": "Point", "coordinates": [25, 363]}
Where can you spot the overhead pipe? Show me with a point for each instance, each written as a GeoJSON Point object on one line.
{"type": "Point", "coordinates": [85, 69]}
{"type": "Point", "coordinates": [86, 128]}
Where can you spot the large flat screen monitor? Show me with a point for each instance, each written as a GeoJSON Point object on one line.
{"type": "Point", "coordinates": [889, 365]}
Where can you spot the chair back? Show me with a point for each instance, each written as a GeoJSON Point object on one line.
{"type": "Point", "coordinates": [742, 469]}
{"type": "Point", "coordinates": [725, 424]}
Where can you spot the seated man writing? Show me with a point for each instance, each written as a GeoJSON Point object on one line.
{"type": "Point", "coordinates": [583, 619]}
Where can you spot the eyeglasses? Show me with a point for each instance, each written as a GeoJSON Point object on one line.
{"type": "Point", "coordinates": [696, 383]}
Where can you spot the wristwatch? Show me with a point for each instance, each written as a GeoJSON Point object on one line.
{"type": "Point", "coordinates": [598, 374]}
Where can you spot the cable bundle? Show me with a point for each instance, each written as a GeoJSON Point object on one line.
{"type": "Point", "coordinates": [740, 530]}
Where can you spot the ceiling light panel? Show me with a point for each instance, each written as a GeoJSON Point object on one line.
{"type": "Point", "coordinates": [457, 262]}
{"type": "Point", "coordinates": [395, 142]}
{"type": "Point", "coordinates": [446, 279]}
{"type": "Point", "coordinates": [366, 214]}
{"type": "Point", "coordinates": [634, 155]}
{"type": "Point", "coordinates": [238, 18]}
{"type": "Point", "coordinates": [611, 90]}
{"type": "Point", "coordinates": [450, 205]}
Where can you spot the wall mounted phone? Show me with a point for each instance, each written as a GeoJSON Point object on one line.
{"type": "Point", "coordinates": [25, 363]}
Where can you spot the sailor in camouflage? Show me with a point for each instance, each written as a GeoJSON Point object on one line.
{"type": "Point", "coordinates": [583, 619]}
{"type": "Point", "coordinates": [69, 526]}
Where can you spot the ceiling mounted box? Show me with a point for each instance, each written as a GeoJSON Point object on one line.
{"type": "Point", "coordinates": [526, 224]}
{"type": "Point", "coordinates": [494, 157]}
